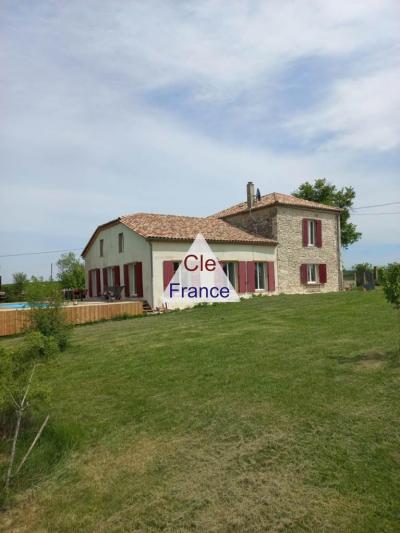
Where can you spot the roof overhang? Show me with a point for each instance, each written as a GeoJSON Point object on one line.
{"type": "Point", "coordinates": [328, 209]}
{"type": "Point", "coordinates": [97, 231]}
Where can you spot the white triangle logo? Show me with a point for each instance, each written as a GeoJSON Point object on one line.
{"type": "Point", "coordinates": [199, 279]}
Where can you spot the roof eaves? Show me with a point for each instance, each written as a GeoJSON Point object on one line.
{"type": "Point", "coordinates": [264, 242]}
{"type": "Point", "coordinates": [97, 231]}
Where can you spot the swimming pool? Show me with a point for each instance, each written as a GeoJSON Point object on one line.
{"type": "Point", "coordinates": [18, 305]}
{"type": "Point", "coordinates": [14, 305]}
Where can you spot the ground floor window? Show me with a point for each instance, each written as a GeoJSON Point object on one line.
{"type": "Point", "coordinates": [93, 281]}
{"type": "Point", "coordinates": [110, 277]}
{"type": "Point", "coordinates": [312, 273]}
{"type": "Point", "coordinates": [261, 275]}
{"type": "Point", "coordinates": [231, 273]}
{"type": "Point", "coordinates": [132, 280]}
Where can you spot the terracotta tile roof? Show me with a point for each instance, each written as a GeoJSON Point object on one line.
{"type": "Point", "coordinates": [180, 228]}
{"type": "Point", "coordinates": [274, 198]}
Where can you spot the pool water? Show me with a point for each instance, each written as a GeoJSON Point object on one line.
{"type": "Point", "coordinates": [14, 305]}
{"type": "Point", "coordinates": [18, 305]}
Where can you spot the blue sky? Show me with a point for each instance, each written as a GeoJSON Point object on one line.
{"type": "Point", "coordinates": [115, 107]}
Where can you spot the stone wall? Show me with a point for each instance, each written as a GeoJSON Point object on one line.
{"type": "Point", "coordinates": [291, 253]}
{"type": "Point", "coordinates": [285, 225]}
{"type": "Point", "coordinates": [261, 221]}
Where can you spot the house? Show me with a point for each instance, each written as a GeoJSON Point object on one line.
{"type": "Point", "coordinates": [269, 244]}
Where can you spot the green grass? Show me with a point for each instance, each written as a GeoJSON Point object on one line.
{"type": "Point", "coordinates": [273, 414]}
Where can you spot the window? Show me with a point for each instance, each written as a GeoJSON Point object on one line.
{"type": "Point", "coordinates": [176, 265]}
{"type": "Point", "coordinates": [260, 272]}
{"type": "Point", "coordinates": [312, 274]}
{"type": "Point", "coordinates": [101, 248]}
{"type": "Point", "coordinates": [312, 232]}
{"type": "Point", "coordinates": [132, 279]}
{"type": "Point", "coordinates": [110, 277]}
{"type": "Point", "coordinates": [120, 242]}
{"type": "Point", "coordinates": [230, 271]}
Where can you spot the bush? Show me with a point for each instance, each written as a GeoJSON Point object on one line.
{"type": "Point", "coordinates": [391, 284]}
{"type": "Point", "coordinates": [47, 316]}
{"type": "Point", "coordinates": [50, 322]}
{"type": "Point", "coordinates": [15, 369]}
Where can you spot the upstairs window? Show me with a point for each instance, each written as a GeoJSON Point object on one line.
{"type": "Point", "coordinates": [120, 242]}
{"type": "Point", "coordinates": [101, 247]}
{"type": "Point", "coordinates": [312, 232]}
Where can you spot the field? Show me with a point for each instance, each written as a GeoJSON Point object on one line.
{"type": "Point", "coordinates": [274, 414]}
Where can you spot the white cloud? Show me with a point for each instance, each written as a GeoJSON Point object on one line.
{"type": "Point", "coordinates": [360, 113]}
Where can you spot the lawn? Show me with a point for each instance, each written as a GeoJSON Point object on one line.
{"type": "Point", "coordinates": [277, 413]}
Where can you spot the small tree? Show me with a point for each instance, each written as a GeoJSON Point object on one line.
{"type": "Point", "coordinates": [46, 315]}
{"type": "Point", "coordinates": [20, 282]}
{"type": "Point", "coordinates": [71, 272]}
{"type": "Point", "coordinates": [391, 284]}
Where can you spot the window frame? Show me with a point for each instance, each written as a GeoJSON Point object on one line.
{"type": "Point", "coordinates": [101, 246]}
{"type": "Point", "coordinates": [231, 265]}
{"type": "Point", "coordinates": [121, 243]}
{"type": "Point", "coordinates": [264, 277]}
{"type": "Point", "coordinates": [110, 276]}
{"type": "Point", "coordinates": [310, 267]}
{"type": "Point", "coordinates": [312, 232]}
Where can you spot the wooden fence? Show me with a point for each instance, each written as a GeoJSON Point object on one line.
{"type": "Point", "coordinates": [16, 320]}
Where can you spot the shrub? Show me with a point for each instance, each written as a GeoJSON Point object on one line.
{"type": "Point", "coordinates": [46, 311]}
{"type": "Point", "coordinates": [15, 369]}
{"type": "Point", "coordinates": [391, 284]}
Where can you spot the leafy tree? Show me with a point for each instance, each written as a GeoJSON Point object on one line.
{"type": "Point", "coordinates": [360, 268]}
{"type": "Point", "coordinates": [20, 280]}
{"type": "Point", "coordinates": [391, 284]}
{"type": "Point", "coordinates": [71, 272]}
{"type": "Point", "coordinates": [326, 193]}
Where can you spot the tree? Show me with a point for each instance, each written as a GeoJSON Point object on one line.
{"type": "Point", "coordinates": [360, 268]}
{"type": "Point", "coordinates": [20, 280]}
{"type": "Point", "coordinates": [391, 284]}
{"type": "Point", "coordinates": [71, 272]}
{"type": "Point", "coordinates": [326, 193]}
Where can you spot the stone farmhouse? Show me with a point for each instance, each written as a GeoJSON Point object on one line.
{"type": "Point", "coordinates": [268, 244]}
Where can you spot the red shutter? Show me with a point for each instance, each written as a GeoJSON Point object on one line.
{"type": "Point", "coordinates": [126, 281]}
{"type": "Point", "coordinates": [117, 277]}
{"type": "Point", "coordinates": [305, 231]}
{"type": "Point", "coordinates": [139, 279]}
{"type": "Point", "coordinates": [271, 276]}
{"type": "Point", "coordinates": [322, 273]}
{"type": "Point", "coordinates": [303, 273]}
{"type": "Point", "coordinates": [98, 282]}
{"type": "Point", "coordinates": [168, 272]}
{"type": "Point", "coordinates": [242, 277]}
{"type": "Point", "coordinates": [318, 236]}
{"type": "Point", "coordinates": [251, 276]}
{"type": "Point", "coordinates": [105, 281]}
{"type": "Point", "coordinates": [90, 279]}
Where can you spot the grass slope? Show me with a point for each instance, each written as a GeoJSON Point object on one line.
{"type": "Point", "coordinates": [273, 414]}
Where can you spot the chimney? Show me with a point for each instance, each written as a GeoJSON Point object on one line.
{"type": "Point", "coordinates": [250, 194]}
